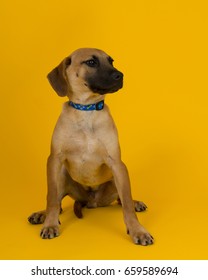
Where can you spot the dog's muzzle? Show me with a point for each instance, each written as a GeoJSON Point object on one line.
{"type": "Point", "coordinates": [106, 82]}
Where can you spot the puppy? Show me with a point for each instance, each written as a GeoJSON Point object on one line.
{"type": "Point", "coordinates": [85, 160]}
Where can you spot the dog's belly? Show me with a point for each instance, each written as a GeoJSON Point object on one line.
{"type": "Point", "coordinates": [88, 170]}
{"type": "Point", "coordinates": [87, 174]}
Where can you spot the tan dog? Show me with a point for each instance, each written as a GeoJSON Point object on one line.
{"type": "Point", "coordinates": [85, 160]}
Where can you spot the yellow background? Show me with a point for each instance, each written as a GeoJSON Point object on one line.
{"type": "Point", "coordinates": [161, 114]}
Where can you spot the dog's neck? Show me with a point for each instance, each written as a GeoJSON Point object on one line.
{"type": "Point", "coordinates": [87, 102]}
{"type": "Point", "coordinates": [87, 107]}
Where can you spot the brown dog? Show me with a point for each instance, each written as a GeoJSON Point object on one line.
{"type": "Point", "coordinates": [85, 160]}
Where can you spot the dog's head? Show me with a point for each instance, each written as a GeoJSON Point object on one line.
{"type": "Point", "coordinates": [86, 71]}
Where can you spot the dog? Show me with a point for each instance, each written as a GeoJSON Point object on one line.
{"type": "Point", "coordinates": [85, 160]}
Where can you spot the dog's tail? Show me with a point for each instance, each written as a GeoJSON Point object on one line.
{"type": "Point", "coordinates": [78, 205]}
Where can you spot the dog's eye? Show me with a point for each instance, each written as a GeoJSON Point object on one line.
{"type": "Point", "coordinates": [91, 63]}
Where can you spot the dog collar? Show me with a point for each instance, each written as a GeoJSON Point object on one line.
{"type": "Point", "coordinates": [90, 107]}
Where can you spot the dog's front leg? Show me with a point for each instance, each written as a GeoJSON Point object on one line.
{"type": "Point", "coordinates": [137, 232]}
{"type": "Point", "coordinates": [51, 225]}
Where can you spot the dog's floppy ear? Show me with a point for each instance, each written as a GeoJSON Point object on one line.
{"type": "Point", "coordinates": [57, 78]}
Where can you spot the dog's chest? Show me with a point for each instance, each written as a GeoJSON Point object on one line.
{"type": "Point", "coordinates": [86, 144]}
{"type": "Point", "coordinates": [86, 156]}
{"type": "Point", "coordinates": [86, 140]}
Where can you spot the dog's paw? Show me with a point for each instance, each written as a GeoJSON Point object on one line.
{"type": "Point", "coordinates": [144, 239]}
{"type": "Point", "coordinates": [37, 218]}
{"type": "Point", "coordinates": [141, 237]}
{"type": "Point", "coordinates": [139, 206]}
{"type": "Point", "coordinates": [49, 232]}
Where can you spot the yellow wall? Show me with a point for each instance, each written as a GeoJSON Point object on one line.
{"type": "Point", "coordinates": [161, 114]}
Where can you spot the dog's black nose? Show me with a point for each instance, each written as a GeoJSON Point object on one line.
{"type": "Point", "coordinates": [116, 75]}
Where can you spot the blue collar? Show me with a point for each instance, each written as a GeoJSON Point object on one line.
{"type": "Point", "coordinates": [90, 107]}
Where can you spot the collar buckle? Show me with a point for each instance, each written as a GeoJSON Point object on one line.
{"type": "Point", "coordinates": [99, 106]}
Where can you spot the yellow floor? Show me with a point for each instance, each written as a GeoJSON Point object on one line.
{"type": "Point", "coordinates": [161, 115]}
{"type": "Point", "coordinates": [177, 217]}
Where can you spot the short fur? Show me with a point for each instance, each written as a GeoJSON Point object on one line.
{"type": "Point", "coordinates": [85, 161]}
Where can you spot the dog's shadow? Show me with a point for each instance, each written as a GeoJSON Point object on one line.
{"type": "Point", "coordinates": [94, 218]}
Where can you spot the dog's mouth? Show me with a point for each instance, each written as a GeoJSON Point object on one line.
{"type": "Point", "coordinates": [99, 90]}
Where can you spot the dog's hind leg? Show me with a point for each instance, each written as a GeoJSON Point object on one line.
{"type": "Point", "coordinates": [103, 196]}
{"type": "Point", "coordinates": [76, 192]}
{"type": "Point", "coordinates": [37, 217]}
{"type": "Point", "coordinates": [139, 206]}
